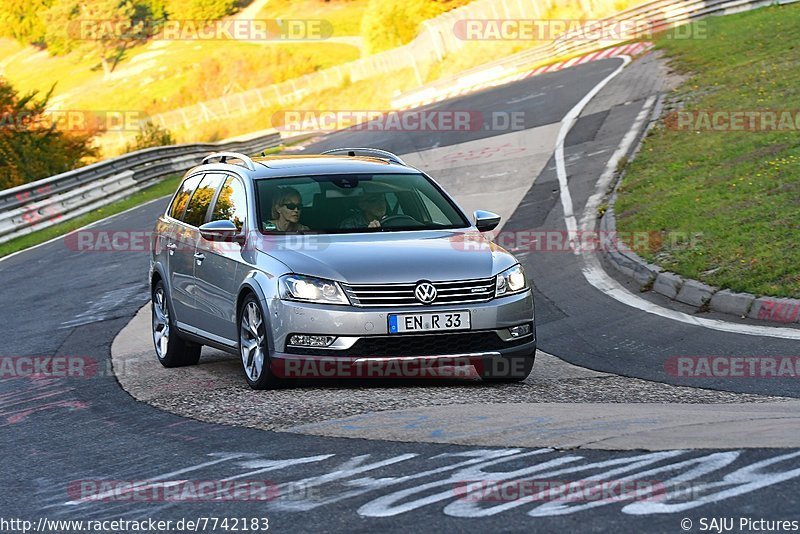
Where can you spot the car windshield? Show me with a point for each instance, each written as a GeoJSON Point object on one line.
{"type": "Point", "coordinates": [344, 203]}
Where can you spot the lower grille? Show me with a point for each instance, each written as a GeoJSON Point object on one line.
{"type": "Point", "coordinates": [419, 345]}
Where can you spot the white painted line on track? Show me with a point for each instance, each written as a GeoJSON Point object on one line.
{"type": "Point", "coordinates": [592, 270]}
{"type": "Point", "coordinates": [223, 457]}
{"type": "Point", "coordinates": [596, 276]}
{"type": "Point", "coordinates": [566, 125]}
{"type": "Point", "coordinates": [590, 210]}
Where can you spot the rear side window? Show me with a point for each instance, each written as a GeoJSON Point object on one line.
{"type": "Point", "coordinates": [198, 206]}
{"type": "Point", "coordinates": [184, 194]}
{"type": "Point", "coordinates": [231, 204]}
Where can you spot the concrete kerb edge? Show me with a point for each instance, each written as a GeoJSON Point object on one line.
{"type": "Point", "coordinates": [651, 277]}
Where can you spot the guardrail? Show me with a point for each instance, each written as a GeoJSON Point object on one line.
{"type": "Point", "coordinates": [659, 15]}
{"type": "Point", "coordinates": [37, 205]}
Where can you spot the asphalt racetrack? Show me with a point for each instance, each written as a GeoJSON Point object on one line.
{"type": "Point", "coordinates": [401, 461]}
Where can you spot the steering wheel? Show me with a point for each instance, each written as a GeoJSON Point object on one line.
{"type": "Point", "coordinates": [392, 221]}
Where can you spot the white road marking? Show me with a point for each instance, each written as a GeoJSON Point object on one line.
{"type": "Point", "coordinates": [592, 270]}
{"type": "Point", "coordinates": [524, 98]}
{"type": "Point", "coordinates": [265, 466]}
{"type": "Point", "coordinates": [222, 457]}
{"type": "Point", "coordinates": [566, 125]}
{"type": "Point", "coordinates": [590, 210]}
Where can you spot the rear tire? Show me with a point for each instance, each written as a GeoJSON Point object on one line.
{"type": "Point", "coordinates": [171, 349]}
{"type": "Point", "coordinates": [253, 346]}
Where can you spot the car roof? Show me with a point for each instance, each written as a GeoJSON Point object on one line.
{"type": "Point", "coordinates": [277, 166]}
{"type": "Point", "coordinates": [280, 166]}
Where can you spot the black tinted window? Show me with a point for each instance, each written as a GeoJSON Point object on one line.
{"type": "Point", "coordinates": [184, 194]}
{"type": "Point", "coordinates": [201, 199]}
{"type": "Point", "coordinates": [231, 204]}
{"type": "Point", "coordinates": [355, 203]}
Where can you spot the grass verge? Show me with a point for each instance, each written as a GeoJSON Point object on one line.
{"type": "Point", "coordinates": [734, 194]}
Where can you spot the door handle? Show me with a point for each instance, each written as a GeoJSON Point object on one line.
{"type": "Point", "coordinates": [171, 247]}
{"type": "Point", "coordinates": [199, 256]}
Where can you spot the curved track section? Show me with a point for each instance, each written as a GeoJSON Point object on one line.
{"type": "Point", "coordinates": [65, 303]}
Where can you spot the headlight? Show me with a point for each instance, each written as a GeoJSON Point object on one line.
{"type": "Point", "coordinates": [310, 289]}
{"type": "Point", "coordinates": [511, 281]}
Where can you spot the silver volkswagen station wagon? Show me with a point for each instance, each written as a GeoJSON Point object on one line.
{"type": "Point", "coordinates": [345, 264]}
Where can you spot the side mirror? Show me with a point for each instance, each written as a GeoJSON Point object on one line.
{"type": "Point", "coordinates": [486, 220]}
{"type": "Point", "coordinates": [219, 231]}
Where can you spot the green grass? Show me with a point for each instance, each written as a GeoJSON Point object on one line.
{"type": "Point", "coordinates": [165, 187]}
{"type": "Point", "coordinates": [736, 193]}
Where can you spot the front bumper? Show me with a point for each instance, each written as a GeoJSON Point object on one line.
{"type": "Point", "coordinates": [365, 343]}
{"type": "Point", "coordinates": [289, 317]}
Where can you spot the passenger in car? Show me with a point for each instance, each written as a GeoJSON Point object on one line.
{"type": "Point", "coordinates": [372, 208]}
{"type": "Point", "coordinates": [286, 207]}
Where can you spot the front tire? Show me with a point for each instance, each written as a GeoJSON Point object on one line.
{"type": "Point", "coordinates": [171, 350]}
{"type": "Point", "coordinates": [253, 346]}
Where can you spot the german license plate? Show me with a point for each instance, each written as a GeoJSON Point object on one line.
{"type": "Point", "coordinates": [428, 322]}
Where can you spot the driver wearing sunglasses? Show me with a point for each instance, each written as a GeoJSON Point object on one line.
{"type": "Point", "coordinates": [286, 207]}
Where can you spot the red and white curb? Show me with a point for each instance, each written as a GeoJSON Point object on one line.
{"type": "Point", "coordinates": [633, 49]}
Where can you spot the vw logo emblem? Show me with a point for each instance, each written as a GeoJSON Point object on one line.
{"type": "Point", "coordinates": [425, 292]}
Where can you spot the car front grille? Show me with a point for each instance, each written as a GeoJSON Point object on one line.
{"type": "Point", "coordinates": [451, 292]}
{"type": "Point", "coordinates": [419, 345]}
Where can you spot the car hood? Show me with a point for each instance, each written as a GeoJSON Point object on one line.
{"type": "Point", "coordinates": [391, 257]}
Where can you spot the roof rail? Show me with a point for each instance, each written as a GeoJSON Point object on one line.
{"type": "Point", "coordinates": [370, 152]}
{"type": "Point", "coordinates": [223, 156]}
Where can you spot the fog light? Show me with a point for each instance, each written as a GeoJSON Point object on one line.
{"type": "Point", "coordinates": [311, 341]}
{"type": "Point", "coordinates": [521, 330]}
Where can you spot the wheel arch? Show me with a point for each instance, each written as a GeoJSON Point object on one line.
{"type": "Point", "coordinates": [251, 286]}
{"type": "Point", "coordinates": [157, 273]}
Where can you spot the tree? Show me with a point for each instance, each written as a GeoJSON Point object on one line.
{"type": "Point", "coordinates": [150, 135]}
{"type": "Point", "coordinates": [31, 146]}
{"type": "Point", "coordinates": [105, 27]}
{"type": "Point", "coordinates": [391, 23]}
{"type": "Point", "coordinates": [19, 19]}
{"type": "Point", "coordinates": [200, 9]}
